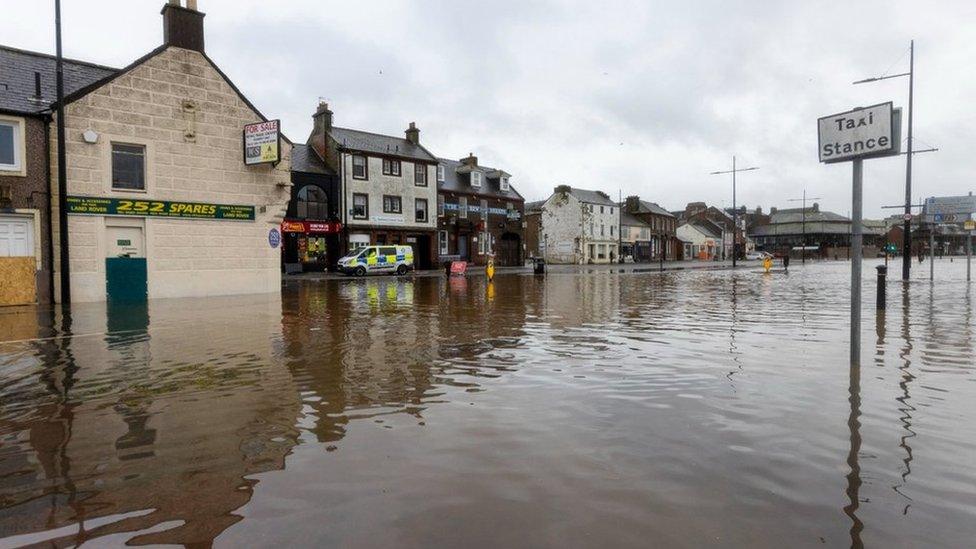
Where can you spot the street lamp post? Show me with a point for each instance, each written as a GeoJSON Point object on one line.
{"type": "Point", "coordinates": [906, 255]}
{"type": "Point", "coordinates": [803, 217]}
{"type": "Point", "coordinates": [62, 168]}
{"type": "Point", "coordinates": [735, 216]}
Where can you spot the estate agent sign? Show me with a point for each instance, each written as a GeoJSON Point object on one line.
{"type": "Point", "coordinates": [860, 133]}
{"type": "Point", "coordinates": [262, 142]}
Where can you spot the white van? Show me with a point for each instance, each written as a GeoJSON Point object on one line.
{"type": "Point", "coordinates": [377, 260]}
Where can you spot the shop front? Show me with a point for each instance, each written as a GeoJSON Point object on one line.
{"type": "Point", "coordinates": [310, 246]}
{"type": "Point", "coordinates": [422, 242]}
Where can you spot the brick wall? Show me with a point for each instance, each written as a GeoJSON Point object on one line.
{"type": "Point", "coordinates": [193, 155]}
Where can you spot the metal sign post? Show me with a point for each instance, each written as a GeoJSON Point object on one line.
{"type": "Point", "coordinates": [857, 241]}
{"type": "Point", "coordinates": [854, 135]}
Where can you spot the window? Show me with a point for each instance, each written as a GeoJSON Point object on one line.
{"type": "Point", "coordinates": [420, 206]}
{"type": "Point", "coordinates": [440, 173]}
{"type": "Point", "coordinates": [128, 167]}
{"type": "Point", "coordinates": [391, 167]}
{"type": "Point", "coordinates": [420, 175]}
{"type": "Point", "coordinates": [482, 241]}
{"type": "Point", "coordinates": [11, 145]}
{"type": "Point", "coordinates": [601, 209]}
{"type": "Point", "coordinates": [312, 203]}
{"type": "Point", "coordinates": [359, 168]}
{"type": "Point", "coordinates": [463, 207]}
{"type": "Point", "coordinates": [360, 206]}
{"type": "Point", "coordinates": [476, 179]}
{"type": "Point", "coordinates": [440, 205]}
{"type": "Point", "coordinates": [442, 242]}
{"type": "Point", "coordinates": [602, 227]}
{"type": "Point", "coordinates": [591, 228]}
{"type": "Point", "coordinates": [388, 251]}
{"type": "Point", "coordinates": [611, 211]}
{"type": "Point", "coordinates": [392, 204]}
{"type": "Point", "coordinates": [611, 230]}
{"type": "Point", "coordinates": [503, 184]}
{"type": "Point", "coordinates": [484, 209]}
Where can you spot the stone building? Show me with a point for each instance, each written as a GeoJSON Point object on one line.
{"type": "Point", "coordinates": [388, 183]}
{"type": "Point", "coordinates": [635, 238]}
{"type": "Point", "coordinates": [663, 224]}
{"type": "Point", "coordinates": [312, 229]}
{"type": "Point", "coordinates": [28, 80]}
{"type": "Point", "coordinates": [479, 213]}
{"type": "Point", "coordinates": [161, 202]}
{"type": "Point", "coordinates": [575, 226]}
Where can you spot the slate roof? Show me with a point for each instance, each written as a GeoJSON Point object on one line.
{"type": "Point", "coordinates": [17, 68]}
{"type": "Point", "coordinates": [591, 197]}
{"type": "Point", "coordinates": [796, 216]}
{"type": "Point", "coordinates": [816, 227]}
{"type": "Point", "coordinates": [455, 182]}
{"type": "Point", "coordinates": [631, 221]}
{"type": "Point", "coordinates": [650, 207]}
{"type": "Point", "coordinates": [304, 159]}
{"type": "Point", "coordinates": [534, 206]}
{"type": "Point", "coordinates": [356, 140]}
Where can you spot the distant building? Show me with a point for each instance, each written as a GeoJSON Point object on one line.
{"type": "Point", "coordinates": [662, 223]}
{"type": "Point", "coordinates": [25, 204]}
{"type": "Point", "coordinates": [702, 240]}
{"type": "Point", "coordinates": [635, 238]}
{"type": "Point", "coordinates": [388, 183]}
{"type": "Point", "coordinates": [479, 213]}
{"type": "Point", "coordinates": [826, 234]}
{"type": "Point", "coordinates": [723, 221]}
{"type": "Point", "coordinates": [576, 226]}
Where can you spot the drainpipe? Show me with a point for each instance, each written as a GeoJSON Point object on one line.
{"type": "Point", "coordinates": [50, 208]}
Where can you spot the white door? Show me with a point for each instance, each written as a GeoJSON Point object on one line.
{"type": "Point", "coordinates": [16, 237]}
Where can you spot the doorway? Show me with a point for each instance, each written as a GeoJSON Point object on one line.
{"type": "Point", "coordinates": [463, 247]}
{"type": "Point", "coordinates": [421, 254]}
{"type": "Point", "coordinates": [509, 250]}
{"type": "Point", "coordinates": [126, 277]}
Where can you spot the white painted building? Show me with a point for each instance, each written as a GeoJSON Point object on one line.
{"type": "Point", "coordinates": [701, 241]}
{"type": "Point", "coordinates": [160, 201]}
{"type": "Point", "coordinates": [579, 227]}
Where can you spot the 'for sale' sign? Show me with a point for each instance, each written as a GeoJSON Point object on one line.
{"type": "Point", "coordinates": [860, 133]}
{"type": "Point", "coordinates": [262, 142]}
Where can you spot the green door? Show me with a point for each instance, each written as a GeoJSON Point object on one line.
{"type": "Point", "coordinates": [126, 279]}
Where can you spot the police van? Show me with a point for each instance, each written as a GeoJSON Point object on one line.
{"type": "Point", "coordinates": [377, 260]}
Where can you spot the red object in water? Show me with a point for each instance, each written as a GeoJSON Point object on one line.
{"type": "Point", "coordinates": [459, 267]}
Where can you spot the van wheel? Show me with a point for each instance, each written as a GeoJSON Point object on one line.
{"type": "Point", "coordinates": [402, 270]}
{"type": "Point", "coordinates": [360, 271]}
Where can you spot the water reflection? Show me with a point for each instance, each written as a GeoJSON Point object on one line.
{"type": "Point", "coordinates": [692, 409]}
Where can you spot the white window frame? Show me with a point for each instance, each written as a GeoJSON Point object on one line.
{"type": "Point", "coordinates": [440, 205]}
{"type": "Point", "coordinates": [484, 208]}
{"type": "Point", "coordinates": [462, 207]}
{"type": "Point", "coordinates": [503, 184]}
{"type": "Point", "coordinates": [440, 173]}
{"type": "Point", "coordinates": [476, 179]}
{"type": "Point", "coordinates": [19, 167]}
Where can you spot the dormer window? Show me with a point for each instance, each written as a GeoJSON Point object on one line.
{"type": "Point", "coordinates": [504, 184]}
{"type": "Point", "coordinates": [476, 179]}
{"type": "Point", "coordinates": [440, 173]}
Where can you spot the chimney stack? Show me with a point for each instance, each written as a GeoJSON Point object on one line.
{"type": "Point", "coordinates": [322, 118]}
{"type": "Point", "coordinates": [413, 134]}
{"type": "Point", "coordinates": [471, 160]}
{"type": "Point", "coordinates": [633, 204]}
{"type": "Point", "coordinates": [183, 27]}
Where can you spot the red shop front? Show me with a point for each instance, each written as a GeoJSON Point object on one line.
{"type": "Point", "coordinates": [310, 245]}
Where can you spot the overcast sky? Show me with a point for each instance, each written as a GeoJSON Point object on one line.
{"type": "Point", "coordinates": [635, 97]}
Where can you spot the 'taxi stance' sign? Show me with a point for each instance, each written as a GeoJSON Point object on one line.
{"type": "Point", "coordinates": [262, 142]}
{"type": "Point", "coordinates": [860, 133]}
{"type": "Point", "coordinates": [88, 205]}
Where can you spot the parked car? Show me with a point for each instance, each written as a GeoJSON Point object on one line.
{"type": "Point", "coordinates": [377, 260]}
{"type": "Point", "coordinates": [757, 256]}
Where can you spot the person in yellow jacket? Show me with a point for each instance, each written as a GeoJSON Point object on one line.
{"type": "Point", "coordinates": [490, 270]}
{"type": "Point", "coordinates": [768, 263]}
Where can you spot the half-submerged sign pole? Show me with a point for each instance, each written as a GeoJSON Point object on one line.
{"type": "Point", "coordinates": [852, 136]}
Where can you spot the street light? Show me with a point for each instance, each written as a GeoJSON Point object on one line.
{"type": "Point", "coordinates": [62, 168]}
{"type": "Point", "coordinates": [906, 259]}
{"type": "Point", "coordinates": [803, 211]}
{"type": "Point", "coordinates": [735, 220]}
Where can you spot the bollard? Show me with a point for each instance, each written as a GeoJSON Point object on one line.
{"type": "Point", "coordinates": [540, 266]}
{"type": "Point", "coordinates": [882, 276]}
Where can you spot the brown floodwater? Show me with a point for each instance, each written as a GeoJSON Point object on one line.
{"type": "Point", "coordinates": [575, 410]}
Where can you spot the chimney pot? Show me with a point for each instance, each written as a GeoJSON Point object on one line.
{"type": "Point", "coordinates": [322, 119]}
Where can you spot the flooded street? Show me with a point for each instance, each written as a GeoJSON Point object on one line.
{"type": "Point", "coordinates": [682, 409]}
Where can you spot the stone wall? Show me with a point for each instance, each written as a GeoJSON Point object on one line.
{"type": "Point", "coordinates": [190, 120]}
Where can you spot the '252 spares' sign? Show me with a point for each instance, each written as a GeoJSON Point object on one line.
{"type": "Point", "coordinates": [89, 205]}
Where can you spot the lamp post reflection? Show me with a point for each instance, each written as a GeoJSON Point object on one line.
{"type": "Point", "coordinates": [854, 476]}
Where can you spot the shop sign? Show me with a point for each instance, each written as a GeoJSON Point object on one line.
{"type": "Point", "coordinates": [459, 267]}
{"type": "Point", "coordinates": [311, 227]}
{"type": "Point", "coordinates": [262, 143]}
{"type": "Point", "coordinates": [89, 205]}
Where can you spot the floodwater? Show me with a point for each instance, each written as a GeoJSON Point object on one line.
{"type": "Point", "coordinates": [576, 410]}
